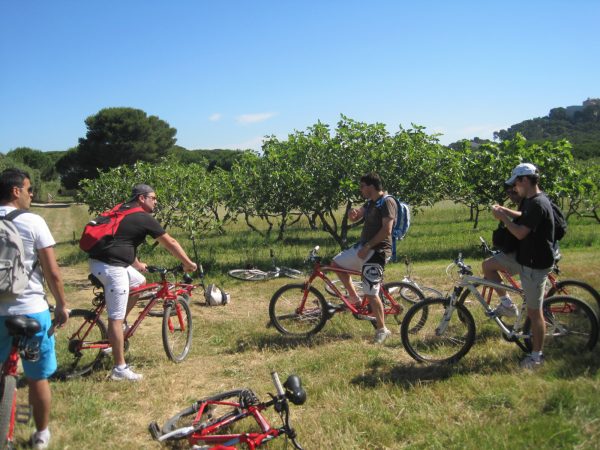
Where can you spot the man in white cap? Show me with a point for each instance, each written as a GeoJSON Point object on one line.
{"type": "Point", "coordinates": [118, 268]}
{"type": "Point", "coordinates": [533, 226]}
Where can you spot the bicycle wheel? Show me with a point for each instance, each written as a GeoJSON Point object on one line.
{"type": "Point", "coordinates": [291, 316]}
{"type": "Point", "coordinates": [291, 273]}
{"type": "Point", "coordinates": [177, 329]}
{"type": "Point", "coordinates": [158, 310]}
{"type": "Point", "coordinates": [249, 274]}
{"type": "Point", "coordinates": [338, 284]}
{"type": "Point", "coordinates": [405, 294]}
{"type": "Point", "coordinates": [214, 413]}
{"type": "Point", "coordinates": [82, 327]}
{"type": "Point", "coordinates": [8, 404]}
{"type": "Point", "coordinates": [571, 326]}
{"type": "Point", "coordinates": [580, 290]}
{"type": "Point", "coordinates": [428, 337]}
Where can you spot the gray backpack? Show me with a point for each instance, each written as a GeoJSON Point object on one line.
{"type": "Point", "coordinates": [13, 275]}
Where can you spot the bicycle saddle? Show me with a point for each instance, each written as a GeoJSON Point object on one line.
{"type": "Point", "coordinates": [294, 391]}
{"type": "Point", "coordinates": [95, 281]}
{"type": "Point", "coordinates": [21, 325]}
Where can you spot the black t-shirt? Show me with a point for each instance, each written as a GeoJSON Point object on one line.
{"type": "Point", "coordinates": [132, 231]}
{"type": "Point", "coordinates": [536, 250]}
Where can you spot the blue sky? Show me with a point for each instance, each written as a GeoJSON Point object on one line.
{"type": "Point", "coordinates": [227, 73]}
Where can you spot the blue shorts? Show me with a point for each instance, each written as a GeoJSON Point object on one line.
{"type": "Point", "coordinates": [46, 365]}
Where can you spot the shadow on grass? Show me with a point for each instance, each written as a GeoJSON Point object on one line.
{"type": "Point", "coordinates": [279, 342]}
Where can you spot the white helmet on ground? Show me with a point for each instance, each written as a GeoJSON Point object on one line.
{"type": "Point", "coordinates": [215, 296]}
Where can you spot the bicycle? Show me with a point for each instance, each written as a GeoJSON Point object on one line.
{"type": "Point", "coordinates": [301, 310]}
{"type": "Point", "coordinates": [253, 274]}
{"type": "Point", "coordinates": [442, 330]}
{"type": "Point", "coordinates": [82, 343]}
{"type": "Point", "coordinates": [207, 423]}
{"type": "Point", "coordinates": [574, 288]}
{"type": "Point", "coordinates": [427, 291]}
{"type": "Point", "coordinates": [21, 329]}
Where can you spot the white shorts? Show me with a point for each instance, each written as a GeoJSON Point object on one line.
{"type": "Point", "coordinates": [372, 271]}
{"type": "Point", "coordinates": [117, 281]}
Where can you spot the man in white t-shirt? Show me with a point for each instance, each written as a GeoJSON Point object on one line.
{"type": "Point", "coordinates": [16, 192]}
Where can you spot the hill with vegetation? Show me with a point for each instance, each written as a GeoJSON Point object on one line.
{"type": "Point", "coordinates": [580, 125]}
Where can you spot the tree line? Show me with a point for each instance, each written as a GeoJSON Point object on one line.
{"type": "Point", "coordinates": [312, 173]}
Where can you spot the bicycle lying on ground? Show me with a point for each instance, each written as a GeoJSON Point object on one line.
{"type": "Point", "coordinates": [83, 341]}
{"type": "Point", "coordinates": [301, 310]}
{"type": "Point", "coordinates": [427, 291]}
{"type": "Point", "coordinates": [575, 288]}
{"type": "Point", "coordinates": [21, 329]}
{"type": "Point", "coordinates": [253, 274]}
{"type": "Point", "coordinates": [207, 423]}
{"type": "Point", "coordinates": [442, 330]}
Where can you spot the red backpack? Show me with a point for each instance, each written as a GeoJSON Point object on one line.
{"type": "Point", "coordinates": [100, 232]}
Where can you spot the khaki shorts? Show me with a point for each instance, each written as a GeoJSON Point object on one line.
{"type": "Point", "coordinates": [371, 267]}
{"type": "Point", "coordinates": [533, 281]}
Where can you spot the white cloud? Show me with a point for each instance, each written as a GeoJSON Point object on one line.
{"type": "Point", "coordinates": [215, 117]}
{"type": "Point", "coordinates": [254, 118]}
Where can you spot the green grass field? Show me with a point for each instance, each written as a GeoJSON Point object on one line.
{"type": "Point", "coordinates": [360, 396]}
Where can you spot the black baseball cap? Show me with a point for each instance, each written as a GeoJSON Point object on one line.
{"type": "Point", "coordinates": [141, 189]}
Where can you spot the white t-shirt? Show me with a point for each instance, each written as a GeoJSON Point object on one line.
{"type": "Point", "coordinates": [35, 235]}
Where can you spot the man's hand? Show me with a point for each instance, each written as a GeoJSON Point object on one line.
{"type": "Point", "coordinates": [138, 265]}
{"type": "Point", "coordinates": [363, 252]}
{"type": "Point", "coordinates": [61, 315]}
{"type": "Point", "coordinates": [190, 267]}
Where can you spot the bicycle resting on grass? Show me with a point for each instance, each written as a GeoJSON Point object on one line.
{"type": "Point", "coordinates": [21, 330]}
{"type": "Point", "coordinates": [254, 274]}
{"type": "Point", "coordinates": [83, 342]}
{"type": "Point", "coordinates": [442, 330]}
{"type": "Point", "coordinates": [574, 288]}
{"type": "Point", "coordinates": [301, 309]}
{"type": "Point", "coordinates": [212, 422]}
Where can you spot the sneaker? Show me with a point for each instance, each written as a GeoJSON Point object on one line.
{"type": "Point", "coordinates": [530, 363]}
{"type": "Point", "coordinates": [40, 440]}
{"type": "Point", "coordinates": [506, 311]}
{"type": "Point", "coordinates": [381, 335]}
{"type": "Point", "coordinates": [125, 374]}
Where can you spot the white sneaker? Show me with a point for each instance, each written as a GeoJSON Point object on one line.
{"type": "Point", "coordinates": [40, 441]}
{"type": "Point", "coordinates": [125, 374]}
{"type": "Point", "coordinates": [506, 311]}
{"type": "Point", "coordinates": [381, 335]}
{"type": "Point", "coordinates": [530, 363]}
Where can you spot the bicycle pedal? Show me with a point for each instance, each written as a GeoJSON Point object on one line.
{"type": "Point", "coordinates": [363, 317]}
{"type": "Point", "coordinates": [154, 430]}
{"type": "Point", "coordinates": [23, 413]}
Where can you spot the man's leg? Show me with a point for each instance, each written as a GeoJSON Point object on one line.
{"type": "Point", "coordinates": [491, 267]}
{"type": "Point", "coordinates": [377, 309]}
{"type": "Point", "coordinates": [40, 399]}
{"type": "Point", "coordinates": [538, 328]}
{"type": "Point", "coordinates": [346, 280]}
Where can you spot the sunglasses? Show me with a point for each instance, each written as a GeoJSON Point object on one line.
{"type": "Point", "coordinates": [151, 197]}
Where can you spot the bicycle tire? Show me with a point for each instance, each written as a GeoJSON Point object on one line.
{"type": "Point", "coordinates": [249, 274]}
{"type": "Point", "coordinates": [284, 314]}
{"type": "Point", "coordinates": [158, 310]}
{"type": "Point", "coordinates": [338, 283]}
{"type": "Point", "coordinates": [430, 292]}
{"type": "Point", "coordinates": [578, 289]}
{"type": "Point", "coordinates": [421, 338]}
{"type": "Point", "coordinates": [8, 403]}
{"type": "Point", "coordinates": [185, 417]}
{"type": "Point", "coordinates": [291, 273]}
{"type": "Point", "coordinates": [72, 362]}
{"type": "Point", "coordinates": [177, 330]}
{"type": "Point", "coordinates": [571, 326]}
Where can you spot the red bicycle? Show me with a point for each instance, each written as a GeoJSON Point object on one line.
{"type": "Point", "coordinates": [21, 329]}
{"type": "Point", "coordinates": [207, 424]}
{"type": "Point", "coordinates": [82, 343]}
{"type": "Point", "coordinates": [301, 310]}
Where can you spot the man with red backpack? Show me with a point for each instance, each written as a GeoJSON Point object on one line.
{"type": "Point", "coordinates": [114, 262]}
